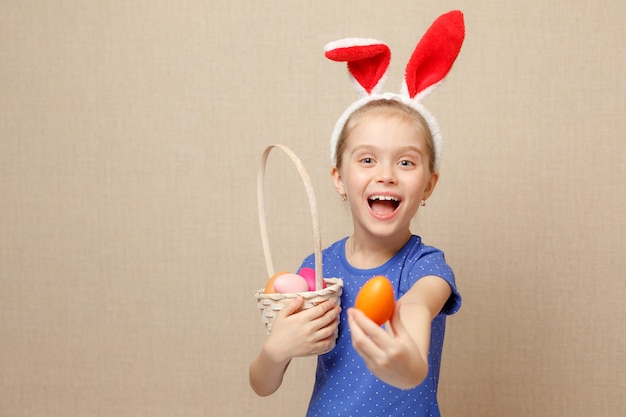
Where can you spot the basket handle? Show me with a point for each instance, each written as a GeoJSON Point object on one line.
{"type": "Point", "coordinates": [317, 240]}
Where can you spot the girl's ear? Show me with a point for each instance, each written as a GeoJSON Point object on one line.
{"type": "Point", "coordinates": [430, 187]}
{"type": "Point", "coordinates": [338, 181]}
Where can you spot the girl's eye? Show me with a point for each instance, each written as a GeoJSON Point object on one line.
{"type": "Point", "coordinates": [406, 163]}
{"type": "Point", "coordinates": [367, 160]}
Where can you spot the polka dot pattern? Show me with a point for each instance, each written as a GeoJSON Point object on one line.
{"type": "Point", "coordinates": [343, 384]}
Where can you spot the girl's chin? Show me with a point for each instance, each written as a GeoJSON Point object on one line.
{"type": "Point", "coordinates": [385, 228]}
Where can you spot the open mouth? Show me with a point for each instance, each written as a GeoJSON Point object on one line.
{"type": "Point", "coordinates": [383, 205]}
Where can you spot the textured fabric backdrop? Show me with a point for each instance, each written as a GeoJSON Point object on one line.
{"type": "Point", "coordinates": [129, 248]}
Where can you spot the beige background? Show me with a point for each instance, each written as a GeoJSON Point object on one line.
{"type": "Point", "coordinates": [129, 250]}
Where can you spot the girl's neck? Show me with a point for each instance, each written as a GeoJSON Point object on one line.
{"type": "Point", "coordinates": [370, 253]}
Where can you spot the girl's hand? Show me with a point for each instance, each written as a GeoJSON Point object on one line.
{"type": "Point", "coordinates": [297, 332]}
{"type": "Point", "coordinates": [398, 355]}
{"type": "Point", "coordinates": [391, 354]}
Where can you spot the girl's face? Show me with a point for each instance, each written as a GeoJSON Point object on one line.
{"type": "Point", "coordinates": [385, 174]}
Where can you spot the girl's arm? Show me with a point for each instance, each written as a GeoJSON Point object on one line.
{"type": "Point", "coordinates": [295, 332]}
{"type": "Point", "coordinates": [266, 372]}
{"type": "Point", "coordinates": [398, 355]}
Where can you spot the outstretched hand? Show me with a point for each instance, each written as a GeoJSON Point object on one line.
{"type": "Point", "coordinates": [297, 332]}
{"type": "Point", "coordinates": [390, 353]}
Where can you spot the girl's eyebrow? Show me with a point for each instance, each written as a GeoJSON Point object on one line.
{"type": "Point", "coordinates": [371, 148]}
{"type": "Point", "coordinates": [364, 148]}
{"type": "Point", "coordinates": [416, 149]}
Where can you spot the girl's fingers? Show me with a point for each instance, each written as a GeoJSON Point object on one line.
{"type": "Point", "coordinates": [367, 326]}
{"type": "Point", "coordinates": [332, 315]}
{"type": "Point", "coordinates": [327, 332]}
{"type": "Point", "coordinates": [319, 311]}
{"type": "Point", "coordinates": [360, 339]}
{"type": "Point", "coordinates": [292, 307]}
{"type": "Point", "coordinates": [368, 338]}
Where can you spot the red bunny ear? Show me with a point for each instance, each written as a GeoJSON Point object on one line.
{"type": "Point", "coordinates": [367, 59]}
{"type": "Point", "coordinates": [435, 53]}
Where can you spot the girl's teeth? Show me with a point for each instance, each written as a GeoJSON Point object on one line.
{"type": "Point", "coordinates": [383, 197]}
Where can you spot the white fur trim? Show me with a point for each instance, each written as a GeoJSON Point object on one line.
{"type": "Point", "coordinates": [350, 42]}
{"type": "Point", "coordinates": [362, 93]}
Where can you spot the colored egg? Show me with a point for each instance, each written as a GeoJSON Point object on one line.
{"type": "Point", "coordinates": [290, 283]}
{"type": "Point", "coordinates": [376, 299]}
{"type": "Point", "coordinates": [309, 275]}
{"type": "Point", "coordinates": [269, 287]}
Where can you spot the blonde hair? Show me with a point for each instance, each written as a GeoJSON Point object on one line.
{"type": "Point", "coordinates": [391, 108]}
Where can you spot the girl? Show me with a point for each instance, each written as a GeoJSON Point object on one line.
{"type": "Point", "coordinates": [385, 150]}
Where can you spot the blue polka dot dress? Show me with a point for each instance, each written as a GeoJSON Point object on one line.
{"type": "Point", "coordinates": [343, 384]}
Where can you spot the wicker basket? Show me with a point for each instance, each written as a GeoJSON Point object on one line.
{"type": "Point", "coordinates": [271, 304]}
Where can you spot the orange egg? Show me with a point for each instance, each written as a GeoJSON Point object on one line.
{"type": "Point", "coordinates": [376, 299]}
{"type": "Point", "coordinates": [269, 287]}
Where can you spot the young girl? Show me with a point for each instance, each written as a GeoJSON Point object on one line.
{"type": "Point", "coordinates": [386, 151]}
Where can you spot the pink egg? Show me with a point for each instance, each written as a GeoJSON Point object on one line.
{"type": "Point", "coordinates": [309, 275]}
{"type": "Point", "coordinates": [290, 283]}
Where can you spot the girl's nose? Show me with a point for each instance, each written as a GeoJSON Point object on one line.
{"type": "Point", "coordinates": [386, 175]}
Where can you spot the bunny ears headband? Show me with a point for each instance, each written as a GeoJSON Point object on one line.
{"type": "Point", "coordinates": [432, 59]}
